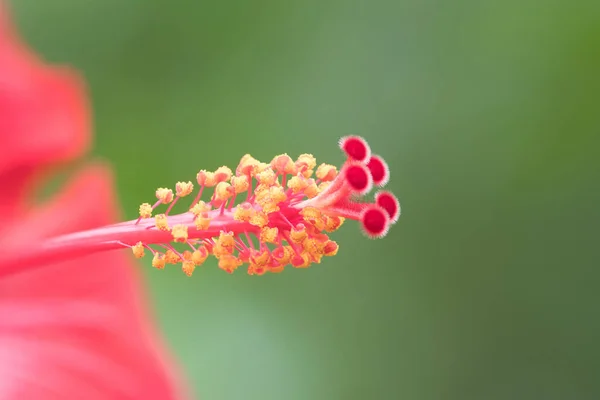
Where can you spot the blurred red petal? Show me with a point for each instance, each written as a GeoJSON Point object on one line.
{"type": "Point", "coordinates": [70, 329]}
{"type": "Point", "coordinates": [79, 329]}
{"type": "Point", "coordinates": [43, 116]}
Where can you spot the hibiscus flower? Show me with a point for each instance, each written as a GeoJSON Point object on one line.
{"type": "Point", "coordinates": [72, 317]}
{"type": "Point", "coordinates": [69, 328]}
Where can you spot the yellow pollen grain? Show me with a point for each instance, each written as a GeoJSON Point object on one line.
{"type": "Point", "coordinates": [285, 258]}
{"type": "Point", "coordinates": [311, 189]}
{"type": "Point", "coordinates": [158, 261]}
{"type": "Point", "coordinates": [206, 178]}
{"type": "Point", "coordinates": [305, 164]}
{"type": "Point", "coordinates": [171, 257]}
{"type": "Point", "coordinates": [138, 250]}
{"type": "Point", "coordinates": [164, 195]}
{"type": "Point", "coordinates": [261, 258]}
{"type": "Point", "coordinates": [199, 208]}
{"type": "Point", "coordinates": [323, 185]}
{"type": "Point", "coordinates": [183, 189]}
{"type": "Point", "coordinates": [180, 233]}
{"type": "Point", "coordinates": [331, 248]}
{"type": "Point", "coordinates": [202, 222]}
{"type": "Point", "coordinates": [244, 212]}
{"type": "Point", "coordinates": [229, 263]}
{"type": "Point", "coordinates": [266, 177]}
{"type": "Point", "coordinates": [161, 222]}
{"type": "Point", "coordinates": [269, 207]}
{"type": "Point", "coordinates": [333, 223]}
{"type": "Point", "coordinates": [283, 164]}
{"type": "Point", "coordinates": [247, 165]}
{"type": "Point", "coordinates": [306, 261]}
{"type": "Point", "coordinates": [298, 234]}
{"type": "Point", "coordinates": [314, 217]}
{"type": "Point", "coordinates": [277, 194]}
{"type": "Point", "coordinates": [297, 183]}
{"type": "Point", "coordinates": [145, 210]}
{"type": "Point", "coordinates": [326, 172]}
{"type": "Point", "coordinates": [188, 267]}
{"type": "Point", "coordinates": [240, 183]}
{"type": "Point", "coordinates": [269, 235]}
{"type": "Point", "coordinates": [223, 174]}
{"type": "Point", "coordinates": [226, 239]}
{"type": "Point", "coordinates": [223, 191]}
{"type": "Point", "coordinates": [199, 256]}
{"type": "Point", "coordinates": [259, 219]}
{"type": "Point", "coordinates": [260, 167]}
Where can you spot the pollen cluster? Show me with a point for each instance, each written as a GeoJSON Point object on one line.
{"type": "Point", "coordinates": [267, 216]}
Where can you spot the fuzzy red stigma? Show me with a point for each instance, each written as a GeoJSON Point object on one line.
{"type": "Point", "coordinates": [356, 148]}
{"type": "Point", "coordinates": [359, 178]}
{"type": "Point", "coordinates": [379, 170]}
{"type": "Point", "coordinates": [389, 203]}
{"type": "Point", "coordinates": [375, 221]}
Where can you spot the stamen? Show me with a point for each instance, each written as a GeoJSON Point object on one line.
{"type": "Point", "coordinates": [290, 219]}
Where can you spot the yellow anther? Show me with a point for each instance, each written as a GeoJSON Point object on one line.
{"type": "Point", "coordinates": [261, 258]}
{"type": "Point", "coordinates": [283, 164]}
{"type": "Point", "coordinates": [267, 177]}
{"type": "Point", "coordinates": [260, 167]}
{"type": "Point", "coordinates": [222, 174]}
{"type": "Point", "coordinates": [259, 219]}
{"type": "Point", "coordinates": [229, 263]}
{"type": "Point", "coordinates": [138, 250]}
{"type": "Point", "coordinates": [164, 195]}
{"type": "Point", "coordinates": [314, 248]}
{"type": "Point", "coordinates": [261, 194]}
{"type": "Point", "coordinates": [145, 210]}
{"type": "Point", "coordinates": [303, 261]}
{"type": "Point", "coordinates": [183, 189]}
{"type": "Point", "coordinates": [244, 212]}
{"type": "Point", "coordinates": [331, 248]}
{"type": "Point", "coordinates": [326, 172]}
{"type": "Point", "coordinates": [310, 213]}
{"type": "Point", "coordinates": [282, 255]}
{"type": "Point", "coordinates": [247, 165]}
{"type": "Point", "coordinates": [161, 222]}
{"type": "Point", "coordinates": [188, 267]}
{"type": "Point", "coordinates": [171, 257]}
{"type": "Point", "coordinates": [269, 198]}
{"type": "Point", "coordinates": [158, 261]}
{"type": "Point", "coordinates": [202, 221]}
{"type": "Point", "coordinates": [199, 208]}
{"type": "Point", "coordinates": [297, 183]}
{"type": "Point", "coordinates": [332, 223]}
{"type": "Point", "coordinates": [223, 191]}
{"type": "Point", "coordinates": [180, 233]}
{"type": "Point", "coordinates": [240, 183]}
{"type": "Point", "coordinates": [298, 234]}
{"type": "Point", "coordinates": [269, 235]}
{"type": "Point", "coordinates": [311, 189]}
{"type": "Point", "coordinates": [305, 164]}
{"type": "Point", "coordinates": [227, 240]}
{"type": "Point", "coordinates": [277, 194]}
{"type": "Point", "coordinates": [199, 256]}
{"type": "Point", "coordinates": [220, 250]}
{"type": "Point", "coordinates": [323, 185]}
{"type": "Point", "coordinates": [206, 178]}
{"type": "Point", "coordinates": [270, 207]}
{"type": "Point", "coordinates": [314, 217]}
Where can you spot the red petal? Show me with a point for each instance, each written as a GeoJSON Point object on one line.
{"type": "Point", "coordinates": [43, 116]}
{"type": "Point", "coordinates": [78, 329]}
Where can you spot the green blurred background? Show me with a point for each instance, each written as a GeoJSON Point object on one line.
{"type": "Point", "coordinates": [488, 115]}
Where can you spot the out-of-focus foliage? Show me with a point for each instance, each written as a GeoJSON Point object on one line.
{"type": "Point", "coordinates": [486, 111]}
